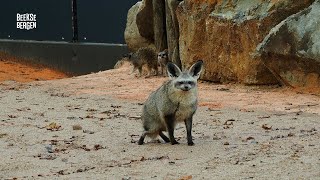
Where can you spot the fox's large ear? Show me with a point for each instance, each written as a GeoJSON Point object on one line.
{"type": "Point", "coordinates": [196, 68]}
{"type": "Point", "coordinates": [173, 70]}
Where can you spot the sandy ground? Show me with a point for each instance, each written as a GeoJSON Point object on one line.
{"type": "Point", "coordinates": [11, 69]}
{"type": "Point", "coordinates": [87, 127]}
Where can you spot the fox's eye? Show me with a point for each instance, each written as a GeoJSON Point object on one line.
{"type": "Point", "coordinates": [189, 82]}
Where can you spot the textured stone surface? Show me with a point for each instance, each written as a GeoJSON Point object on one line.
{"type": "Point", "coordinates": [225, 34]}
{"type": "Point", "coordinates": [139, 31]}
{"type": "Point", "coordinates": [292, 49]}
{"type": "Point", "coordinates": [173, 31]}
{"type": "Point", "coordinates": [159, 25]}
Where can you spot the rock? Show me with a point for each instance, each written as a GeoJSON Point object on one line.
{"type": "Point", "coordinates": [49, 148]}
{"type": "Point", "coordinates": [145, 19]}
{"type": "Point", "coordinates": [172, 31]}
{"type": "Point", "coordinates": [292, 49]}
{"type": "Point", "coordinates": [225, 35]}
{"type": "Point", "coordinates": [77, 127]}
{"type": "Point", "coordinates": [88, 131]}
{"type": "Point", "coordinates": [138, 32]}
{"type": "Point", "coordinates": [159, 25]}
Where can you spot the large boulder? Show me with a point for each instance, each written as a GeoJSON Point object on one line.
{"type": "Point", "coordinates": [172, 31]}
{"type": "Point", "coordinates": [225, 34]}
{"type": "Point", "coordinates": [159, 25]}
{"type": "Point", "coordinates": [139, 31]}
{"type": "Point", "coordinates": [292, 49]}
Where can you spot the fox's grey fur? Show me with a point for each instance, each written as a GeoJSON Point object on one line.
{"type": "Point", "coordinates": [143, 56]}
{"type": "Point", "coordinates": [175, 101]}
{"type": "Point", "coordinates": [163, 59]}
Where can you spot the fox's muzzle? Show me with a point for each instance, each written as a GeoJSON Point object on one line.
{"type": "Point", "coordinates": [185, 87]}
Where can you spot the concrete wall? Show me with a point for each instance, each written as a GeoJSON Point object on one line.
{"type": "Point", "coordinates": [73, 58]}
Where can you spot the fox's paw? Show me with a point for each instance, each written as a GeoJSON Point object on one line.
{"type": "Point", "coordinates": [174, 142]}
{"type": "Point", "coordinates": [190, 143]}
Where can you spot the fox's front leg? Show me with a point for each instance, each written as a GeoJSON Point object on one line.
{"type": "Point", "coordinates": [170, 127]}
{"type": "Point", "coordinates": [188, 123]}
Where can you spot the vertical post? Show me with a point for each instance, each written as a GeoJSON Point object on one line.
{"type": "Point", "coordinates": [74, 21]}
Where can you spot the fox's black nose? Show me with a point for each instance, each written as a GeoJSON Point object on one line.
{"type": "Point", "coordinates": [186, 88]}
